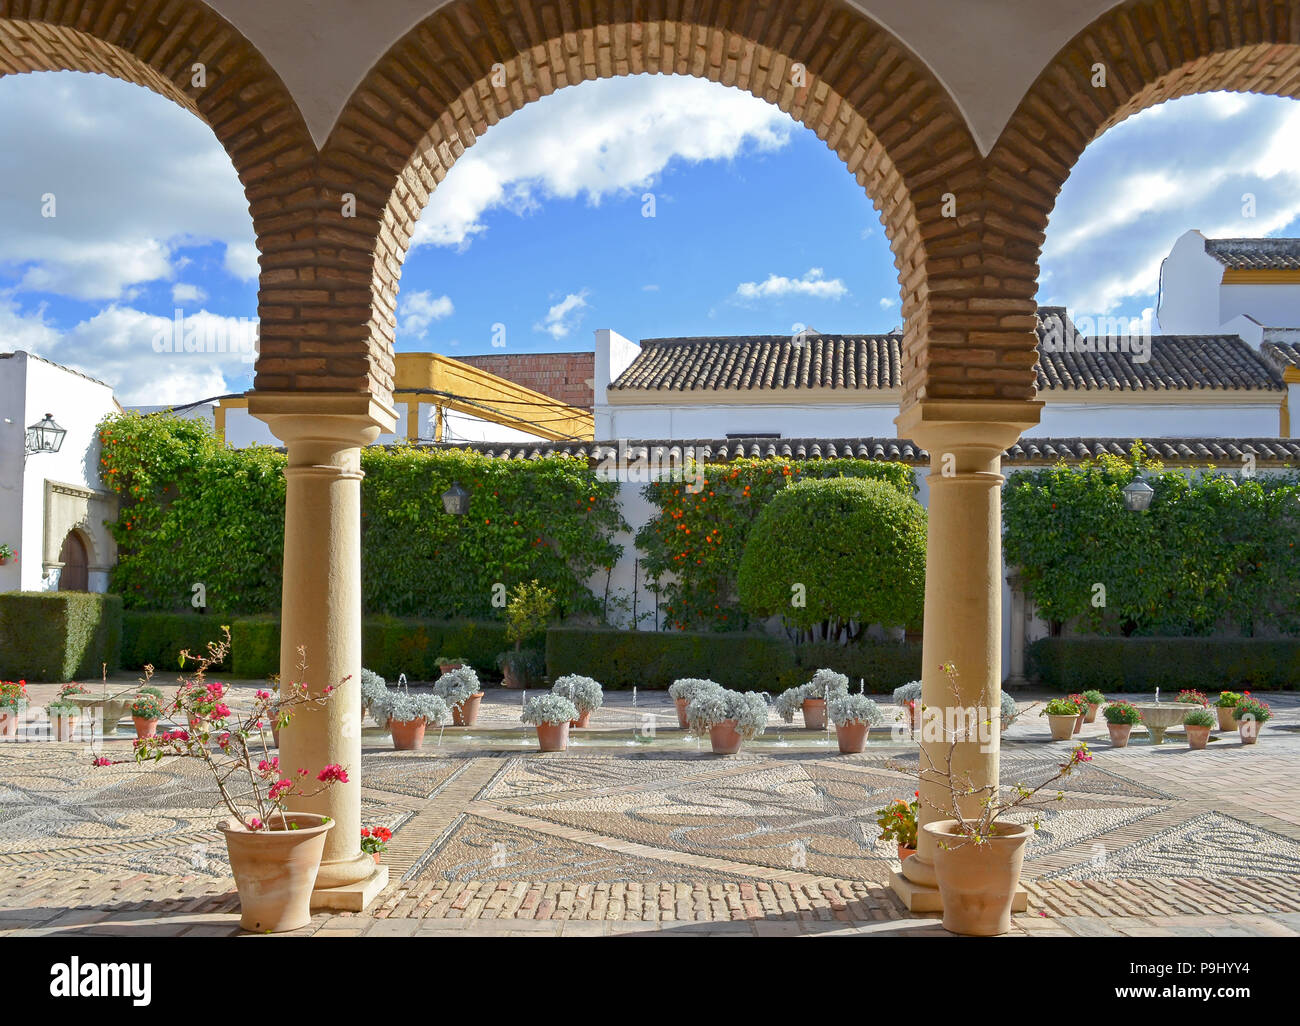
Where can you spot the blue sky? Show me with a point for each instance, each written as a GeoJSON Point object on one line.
{"type": "Point", "coordinates": [757, 227]}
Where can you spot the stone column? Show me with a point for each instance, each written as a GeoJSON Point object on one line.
{"type": "Point", "coordinates": [963, 595]}
{"type": "Point", "coordinates": [1018, 626]}
{"type": "Point", "coordinates": [321, 612]}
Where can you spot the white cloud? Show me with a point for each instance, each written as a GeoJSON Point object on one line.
{"type": "Point", "coordinates": [814, 284]}
{"type": "Point", "coordinates": [420, 309]}
{"type": "Point", "coordinates": [888, 304]}
{"type": "Point", "coordinates": [133, 176]}
{"type": "Point", "coordinates": [564, 316]}
{"type": "Point", "coordinates": [618, 136]}
{"type": "Point", "coordinates": [1185, 164]}
{"type": "Point", "coordinates": [183, 292]}
{"type": "Point", "coordinates": [117, 346]}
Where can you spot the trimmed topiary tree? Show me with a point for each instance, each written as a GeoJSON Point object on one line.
{"type": "Point", "coordinates": [833, 557]}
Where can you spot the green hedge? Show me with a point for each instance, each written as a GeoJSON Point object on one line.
{"type": "Point", "coordinates": [882, 665]}
{"type": "Point", "coordinates": [157, 639]}
{"type": "Point", "coordinates": [654, 659]}
{"type": "Point", "coordinates": [1171, 664]}
{"type": "Point", "coordinates": [389, 646]}
{"type": "Point", "coordinates": [58, 636]}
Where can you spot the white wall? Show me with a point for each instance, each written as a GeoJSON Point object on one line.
{"type": "Point", "coordinates": [1189, 289]}
{"type": "Point", "coordinates": [1275, 306]}
{"type": "Point", "coordinates": [817, 419]}
{"type": "Point", "coordinates": [1167, 420]}
{"type": "Point", "coordinates": [13, 424]}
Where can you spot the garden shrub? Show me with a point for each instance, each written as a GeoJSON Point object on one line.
{"type": "Point", "coordinates": [833, 557]}
{"type": "Point", "coordinates": [882, 665]}
{"type": "Point", "coordinates": [654, 659]}
{"type": "Point", "coordinates": [1111, 664]}
{"type": "Point", "coordinates": [193, 510]}
{"type": "Point", "coordinates": [157, 639]}
{"type": "Point", "coordinates": [389, 646]}
{"type": "Point", "coordinates": [1209, 551]}
{"type": "Point", "coordinates": [693, 545]}
{"type": "Point", "coordinates": [58, 635]}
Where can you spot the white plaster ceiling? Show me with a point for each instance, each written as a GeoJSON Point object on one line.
{"type": "Point", "coordinates": [986, 52]}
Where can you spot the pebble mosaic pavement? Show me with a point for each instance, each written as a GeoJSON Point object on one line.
{"type": "Point", "coordinates": [629, 834]}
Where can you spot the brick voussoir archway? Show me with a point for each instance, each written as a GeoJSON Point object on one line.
{"type": "Point", "coordinates": [1150, 51]}
{"type": "Point", "coordinates": [864, 93]}
{"type": "Point", "coordinates": [156, 44]}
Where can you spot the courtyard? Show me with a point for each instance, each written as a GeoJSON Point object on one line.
{"type": "Point", "coordinates": [638, 829]}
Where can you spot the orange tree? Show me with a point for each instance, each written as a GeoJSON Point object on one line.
{"type": "Point", "coordinates": [693, 545]}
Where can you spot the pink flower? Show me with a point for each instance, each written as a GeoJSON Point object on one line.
{"type": "Point", "coordinates": [279, 788]}
{"type": "Point", "coordinates": [263, 696]}
{"type": "Point", "coordinates": [221, 711]}
{"type": "Point", "coordinates": [255, 824]}
{"type": "Point", "coordinates": [102, 761]}
{"type": "Point", "coordinates": [223, 739]}
{"type": "Point", "coordinates": [331, 773]}
{"type": "Point", "coordinates": [267, 768]}
{"type": "Point", "coordinates": [327, 689]}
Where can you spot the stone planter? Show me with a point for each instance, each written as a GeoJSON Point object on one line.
{"type": "Point", "coordinates": [1249, 731]}
{"type": "Point", "coordinates": [852, 736]}
{"type": "Point", "coordinates": [553, 737]}
{"type": "Point", "coordinates": [725, 738]}
{"type": "Point", "coordinates": [905, 853]}
{"type": "Point", "coordinates": [466, 714]}
{"type": "Point", "coordinates": [583, 719]}
{"type": "Point", "coordinates": [275, 870]}
{"type": "Point", "coordinates": [1197, 736]}
{"type": "Point", "coordinates": [1227, 717]}
{"type": "Point", "coordinates": [1119, 734]}
{"type": "Point", "coordinates": [1062, 726]}
{"type": "Point", "coordinates": [113, 708]}
{"type": "Point", "coordinates": [408, 735]}
{"type": "Point", "coordinates": [978, 882]}
{"type": "Point", "coordinates": [1091, 717]}
{"type": "Point", "coordinates": [814, 713]}
{"type": "Point", "coordinates": [681, 704]}
{"type": "Point", "coordinates": [144, 727]}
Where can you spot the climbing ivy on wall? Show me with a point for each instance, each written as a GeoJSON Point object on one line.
{"type": "Point", "coordinates": [1211, 551]}
{"type": "Point", "coordinates": [693, 545]}
{"type": "Point", "coordinates": [193, 510]}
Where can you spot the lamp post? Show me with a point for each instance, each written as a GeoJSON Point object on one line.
{"type": "Point", "coordinates": [1137, 495]}
{"type": "Point", "coordinates": [455, 500]}
{"type": "Point", "coordinates": [45, 436]}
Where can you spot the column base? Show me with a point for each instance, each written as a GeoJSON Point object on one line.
{"type": "Point", "coordinates": [1015, 682]}
{"type": "Point", "coordinates": [352, 897]}
{"type": "Point", "coordinates": [919, 898]}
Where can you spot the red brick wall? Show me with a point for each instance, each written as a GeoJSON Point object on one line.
{"type": "Point", "coordinates": [563, 376]}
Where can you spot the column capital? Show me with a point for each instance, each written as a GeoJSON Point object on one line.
{"type": "Point", "coordinates": [345, 419]}
{"type": "Point", "coordinates": [975, 431]}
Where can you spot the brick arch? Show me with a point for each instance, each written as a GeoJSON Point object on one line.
{"type": "Point", "coordinates": [867, 97]}
{"type": "Point", "coordinates": [155, 43]}
{"type": "Point", "coordinates": [1153, 51]}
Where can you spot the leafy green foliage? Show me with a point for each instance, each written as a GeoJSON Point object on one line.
{"type": "Point", "coordinates": [694, 544]}
{"type": "Point", "coordinates": [529, 612]}
{"type": "Point", "coordinates": [1210, 551]}
{"type": "Point", "coordinates": [58, 635]}
{"type": "Point", "coordinates": [155, 639]}
{"type": "Point", "coordinates": [193, 510]}
{"type": "Point", "coordinates": [833, 557]}
{"type": "Point", "coordinates": [1171, 664]}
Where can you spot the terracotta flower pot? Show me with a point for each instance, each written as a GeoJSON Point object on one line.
{"type": "Point", "coordinates": [448, 667]}
{"type": "Point", "coordinates": [1078, 722]}
{"type": "Point", "coordinates": [814, 713]}
{"type": "Point", "coordinates": [904, 853]}
{"type": "Point", "coordinates": [1091, 717]}
{"type": "Point", "coordinates": [911, 714]}
{"type": "Point", "coordinates": [65, 727]}
{"type": "Point", "coordinates": [144, 727]}
{"type": "Point", "coordinates": [1249, 731]}
{"type": "Point", "coordinates": [1227, 717]}
{"type": "Point", "coordinates": [977, 883]}
{"type": "Point", "coordinates": [466, 714]}
{"type": "Point", "coordinates": [509, 679]}
{"type": "Point", "coordinates": [375, 855]}
{"type": "Point", "coordinates": [1062, 726]}
{"type": "Point", "coordinates": [9, 721]}
{"type": "Point", "coordinates": [275, 871]}
{"type": "Point", "coordinates": [1196, 736]}
{"type": "Point", "coordinates": [275, 736]}
{"type": "Point", "coordinates": [681, 712]}
{"type": "Point", "coordinates": [725, 738]}
{"type": "Point", "coordinates": [408, 735]}
{"type": "Point", "coordinates": [852, 736]}
{"type": "Point", "coordinates": [583, 719]}
{"type": "Point", "coordinates": [1119, 733]}
{"type": "Point", "coordinates": [553, 737]}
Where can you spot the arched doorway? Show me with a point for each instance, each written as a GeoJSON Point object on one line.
{"type": "Point", "coordinates": [75, 575]}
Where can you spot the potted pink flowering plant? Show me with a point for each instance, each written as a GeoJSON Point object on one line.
{"type": "Point", "coordinates": [275, 852]}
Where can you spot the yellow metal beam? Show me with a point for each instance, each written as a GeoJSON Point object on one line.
{"type": "Point", "coordinates": [421, 377]}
